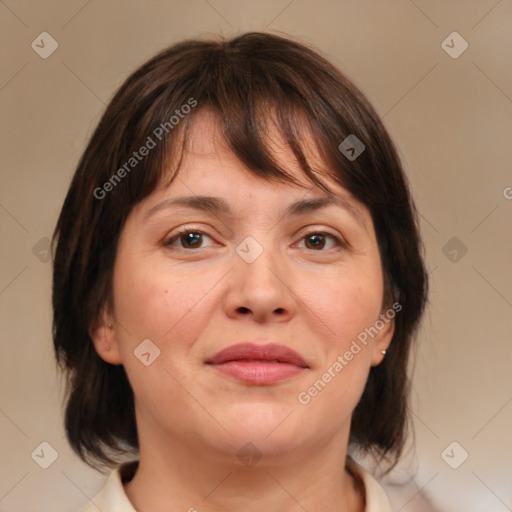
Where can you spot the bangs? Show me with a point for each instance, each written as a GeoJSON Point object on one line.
{"type": "Point", "coordinates": [256, 140]}
{"type": "Point", "coordinates": [254, 94]}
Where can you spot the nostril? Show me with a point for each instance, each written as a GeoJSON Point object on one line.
{"type": "Point", "coordinates": [243, 310]}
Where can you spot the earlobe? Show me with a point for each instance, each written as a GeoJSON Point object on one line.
{"type": "Point", "coordinates": [103, 335]}
{"type": "Point", "coordinates": [382, 342]}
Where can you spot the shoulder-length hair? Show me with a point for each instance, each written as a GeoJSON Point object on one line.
{"type": "Point", "coordinates": [245, 81]}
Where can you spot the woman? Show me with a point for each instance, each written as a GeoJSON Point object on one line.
{"type": "Point", "coordinates": [237, 283]}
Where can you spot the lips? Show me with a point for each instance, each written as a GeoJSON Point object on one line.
{"type": "Point", "coordinates": [250, 352]}
{"type": "Point", "coordinates": [258, 364]}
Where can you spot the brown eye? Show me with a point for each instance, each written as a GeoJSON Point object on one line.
{"type": "Point", "coordinates": [191, 240]}
{"type": "Point", "coordinates": [188, 239]}
{"type": "Point", "coordinates": [317, 241]}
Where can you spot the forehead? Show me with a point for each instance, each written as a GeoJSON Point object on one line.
{"type": "Point", "coordinates": [206, 141]}
{"type": "Point", "coordinates": [211, 177]}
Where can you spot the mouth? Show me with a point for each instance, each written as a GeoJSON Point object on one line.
{"type": "Point", "coordinates": [258, 364]}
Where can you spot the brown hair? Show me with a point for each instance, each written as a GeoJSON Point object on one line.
{"type": "Point", "coordinates": [241, 80]}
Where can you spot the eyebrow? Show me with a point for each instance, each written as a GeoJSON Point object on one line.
{"type": "Point", "coordinates": [217, 205]}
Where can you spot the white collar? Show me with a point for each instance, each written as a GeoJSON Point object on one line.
{"type": "Point", "coordinates": [113, 498]}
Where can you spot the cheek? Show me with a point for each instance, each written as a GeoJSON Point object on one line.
{"type": "Point", "coordinates": [343, 364]}
{"type": "Point", "coordinates": [153, 301]}
{"type": "Point", "coordinates": [343, 308]}
{"type": "Point", "coordinates": [345, 305]}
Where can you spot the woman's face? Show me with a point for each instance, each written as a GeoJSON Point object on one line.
{"type": "Point", "coordinates": [260, 264]}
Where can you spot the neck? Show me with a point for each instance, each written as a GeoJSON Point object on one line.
{"type": "Point", "coordinates": [192, 477]}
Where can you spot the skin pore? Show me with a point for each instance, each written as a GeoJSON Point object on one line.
{"type": "Point", "coordinates": [193, 296]}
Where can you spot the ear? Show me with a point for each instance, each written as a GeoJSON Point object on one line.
{"type": "Point", "coordinates": [383, 339]}
{"type": "Point", "coordinates": [103, 334]}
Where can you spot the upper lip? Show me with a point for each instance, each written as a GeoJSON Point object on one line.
{"type": "Point", "coordinates": [254, 352]}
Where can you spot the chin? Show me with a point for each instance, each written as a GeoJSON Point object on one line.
{"type": "Point", "coordinates": [247, 448]}
{"type": "Point", "coordinates": [269, 427]}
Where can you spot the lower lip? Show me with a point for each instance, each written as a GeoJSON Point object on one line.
{"type": "Point", "coordinates": [259, 372]}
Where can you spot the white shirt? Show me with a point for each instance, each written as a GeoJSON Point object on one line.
{"type": "Point", "coordinates": [112, 498]}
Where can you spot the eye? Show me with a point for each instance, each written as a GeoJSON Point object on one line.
{"type": "Point", "coordinates": [189, 238]}
{"type": "Point", "coordinates": [316, 240]}
{"type": "Point", "coordinates": [193, 238]}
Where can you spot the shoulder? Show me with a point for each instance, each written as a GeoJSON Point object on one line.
{"type": "Point", "coordinates": [112, 497]}
{"type": "Point", "coordinates": [376, 498]}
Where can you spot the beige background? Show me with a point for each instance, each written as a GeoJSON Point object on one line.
{"type": "Point", "coordinates": [451, 119]}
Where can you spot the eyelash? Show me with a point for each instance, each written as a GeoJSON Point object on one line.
{"type": "Point", "coordinates": [168, 242]}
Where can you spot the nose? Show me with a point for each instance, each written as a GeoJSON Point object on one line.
{"type": "Point", "coordinates": [261, 289]}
